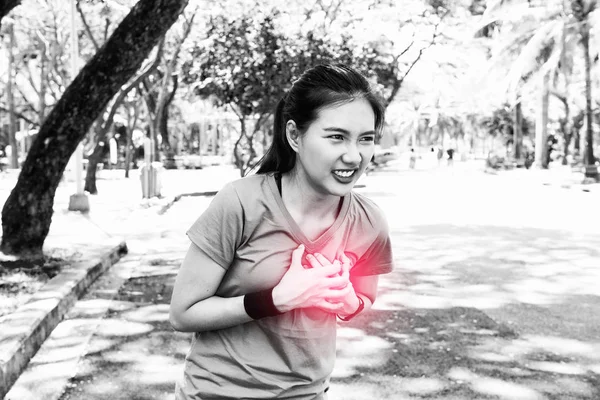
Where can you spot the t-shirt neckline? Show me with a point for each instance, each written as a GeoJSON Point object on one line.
{"type": "Point", "coordinates": [312, 245]}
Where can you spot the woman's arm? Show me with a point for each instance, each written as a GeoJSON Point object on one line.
{"type": "Point", "coordinates": [194, 306]}
{"type": "Point", "coordinates": [366, 287]}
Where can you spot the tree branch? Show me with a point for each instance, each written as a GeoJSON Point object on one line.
{"type": "Point", "coordinates": [398, 83]}
{"type": "Point", "coordinates": [22, 116]}
{"type": "Point", "coordinates": [87, 26]}
{"type": "Point", "coordinates": [134, 83]}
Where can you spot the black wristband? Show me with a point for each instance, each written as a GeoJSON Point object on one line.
{"type": "Point", "coordinates": [260, 304]}
{"type": "Point", "coordinates": [361, 306]}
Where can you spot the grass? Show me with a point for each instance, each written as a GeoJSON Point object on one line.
{"type": "Point", "coordinates": [21, 279]}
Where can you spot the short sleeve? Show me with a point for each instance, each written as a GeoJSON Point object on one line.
{"type": "Point", "coordinates": [218, 231]}
{"type": "Point", "coordinates": [378, 259]}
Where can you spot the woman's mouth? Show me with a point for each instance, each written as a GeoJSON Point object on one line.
{"type": "Point", "coordinates": [344, 175]}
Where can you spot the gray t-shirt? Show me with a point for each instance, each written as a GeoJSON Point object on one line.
{"type": "Point", "coordinates": [248, 231]}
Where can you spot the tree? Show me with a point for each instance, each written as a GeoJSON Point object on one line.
{"type": "Point", "coordinates": [6, 6]}
{"type": "Point", "coordinates": [545, 36]}
{"type": "Point", "coordinates": [160, 88]}
{"type": "Point", "coordinates": [105, 121]}
{"type": "Point", "coordinates": [27, 213]}
{"type": "Point", "coordinates": [245, 66]}
{"type": "Point", "coordinates": [582, 10]}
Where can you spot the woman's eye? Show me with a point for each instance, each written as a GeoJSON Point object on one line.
{"type": "Point", "coordinates": [368, 139]}
{"type": "Point", "coordinates": [336, 137]}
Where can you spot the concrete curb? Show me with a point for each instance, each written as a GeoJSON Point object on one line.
{"type": "Point", "coordinates": [24, 330]}
{"type": "Point", "coordinates": [175, 199]}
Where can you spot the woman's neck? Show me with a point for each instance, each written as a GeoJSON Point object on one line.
{"type": "Point", "coordinates": [301, 198]}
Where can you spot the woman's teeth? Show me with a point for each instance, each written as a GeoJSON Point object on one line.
{"type": "Point", "coordinates": [344, 174]}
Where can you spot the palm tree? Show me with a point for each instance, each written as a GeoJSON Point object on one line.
{"type": "Point", "coordinates": [582, 10]}
{"type": "Point", "coordinates": [544, 36]}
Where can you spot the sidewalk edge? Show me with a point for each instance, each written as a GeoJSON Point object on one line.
{"type": "Point", "coordinates": [33, 322]}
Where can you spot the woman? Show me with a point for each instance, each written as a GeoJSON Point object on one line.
{"type": "Point", "coordinates": [279, 254]}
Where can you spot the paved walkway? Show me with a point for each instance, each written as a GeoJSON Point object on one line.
{"type": "Point", "coordinates": [132, 352]}
{"type": "Point", "coordinates": [93, 242]}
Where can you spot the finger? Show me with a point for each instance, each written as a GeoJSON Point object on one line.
{"type": "Point", "coordinates": [337, 282]}
{"type": "Point", "coordinates": [328, 270]}
{"type": "Point", "coordinates": [322, 259]}
{"type": "Point", "coordinates": [297, 256]}
{"type": "Point", "coordinates": [338, 294]}
{"type": "Point", "coordinates": [346, 269]}
{"type": "Point", "coordinates": [345, 259]}
{"type": "Point", "coordinates": [346, 262]}
{"type": "Point", "coordinates": [332, 307]}
{"type": "Point", "coordinates": [339, 267]}
{"type": "Point", "coordinates": [313, 261]}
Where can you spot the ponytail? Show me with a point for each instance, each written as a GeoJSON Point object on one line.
{"type": "Point", "coordinates": [280, 157]}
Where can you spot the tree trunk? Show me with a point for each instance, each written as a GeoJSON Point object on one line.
{"type": "Point", "coordinates": [518, 133]}
{"type": "Point", "coordinates": [568, 135]}
{"type": "Point", "coordinates": [104, 125]}
{"type": "Point", "coordinates": [541, 126]}
{"type": "Point", "coordinates": [163, 116]}
{"type": "Point", "coordinates": [27, 213]}
{"type": "Point", "coordinates": [93, 161]}
{"type": "Point", "coordinates": [589, 160]}
{"type": "Point", "coordinates": [128, 153]}
{"type": "Point", "coordinates": [130, 127]}
{"type": "Point", "coordinates": [12, 123]}
{"type": "Point", "coordinates": [6, 6]}
{"type": "Point", "coordinates": [43, 80]}
{"type": "Point", "coordinates": [239, 158]}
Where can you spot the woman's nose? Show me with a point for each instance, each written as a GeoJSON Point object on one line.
{"type": "Point", "coordinates": [352, 155]}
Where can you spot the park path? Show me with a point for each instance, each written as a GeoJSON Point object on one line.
{"type": "Point", "coordinates": [494, 297]}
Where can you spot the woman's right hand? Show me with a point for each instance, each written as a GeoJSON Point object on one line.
{"type": "Point", "coordinates": [313, 287]}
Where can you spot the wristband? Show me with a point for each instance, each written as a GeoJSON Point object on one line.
{"type": "Point", "coordinates": [260, 304]}
{"type": "Point", "coordinates": [361, 306]}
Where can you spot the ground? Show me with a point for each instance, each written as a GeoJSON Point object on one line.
{"type": "Point", "coordinates": [494, 296]}
{"type": "Point", "coordinates": [19, 279]}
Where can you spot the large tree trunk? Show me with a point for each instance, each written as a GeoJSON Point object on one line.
{"type": "Point", "coordinates": [27, 213]}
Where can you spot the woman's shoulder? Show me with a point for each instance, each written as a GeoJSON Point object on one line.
{"type": "Point", "coordinates": [364, 207]}
{"type": "Point", "coordinates": [248, 184]}
{"type": "Point", "coordinates": [249, 190]}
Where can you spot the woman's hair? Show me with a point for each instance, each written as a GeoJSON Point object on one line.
{"type": "Point", "coordinates": [319, 87]}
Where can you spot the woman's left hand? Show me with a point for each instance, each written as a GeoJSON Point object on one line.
{"type": "Point", "coordinates": [346, 301]}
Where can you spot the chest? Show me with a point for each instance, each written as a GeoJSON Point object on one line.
{"type": "Point", "coordinates": [313, 228]}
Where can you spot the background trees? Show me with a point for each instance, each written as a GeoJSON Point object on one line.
{"type": "Point", "coordinates": [544, 46]}
{"type": "Point", "coordinates": [450, 74]}
{"type": "Point", "coordinates": [27, 213]}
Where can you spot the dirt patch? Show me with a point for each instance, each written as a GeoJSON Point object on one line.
{"type": "Point", "coordinates": [21, 279]}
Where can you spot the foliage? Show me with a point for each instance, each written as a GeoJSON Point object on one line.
{"type": "Point", "coordinates": [27, 213]}
{"type": "Point", "coordinates": [245, 66]}
{"type": "Point", "coordinates": [501, 123]}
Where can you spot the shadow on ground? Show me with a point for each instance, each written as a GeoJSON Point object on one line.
{"type": "Point", "coordinates": [135, 354]}
{"type": "Point", "coordinates": [477, 312]}
{"type": "Point", "coordinates": [471, 312]}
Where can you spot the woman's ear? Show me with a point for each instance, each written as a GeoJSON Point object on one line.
{"type": "Point", "coordinates": [292, 134]}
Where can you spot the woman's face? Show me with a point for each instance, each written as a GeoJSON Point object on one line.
{"type": "Point", "coordinates": [337, 147]}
